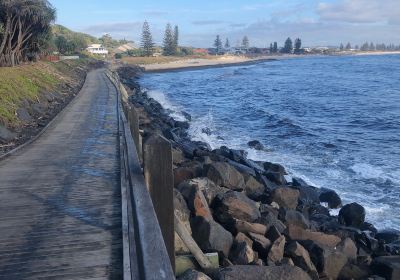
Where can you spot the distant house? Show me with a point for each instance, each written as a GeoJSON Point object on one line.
{"type": "Point", "coordinates": [97, 49]}
{"type": "Point", "coordinates": [126, 47]}
{"type": "Point", "coordinates": [200, 51]}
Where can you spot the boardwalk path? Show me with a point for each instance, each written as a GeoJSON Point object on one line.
{"type": "Point", "coordinates": [60, 204]}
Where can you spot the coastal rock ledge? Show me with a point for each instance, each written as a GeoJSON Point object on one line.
{"type": "Point", "coordinates": [261, 225]}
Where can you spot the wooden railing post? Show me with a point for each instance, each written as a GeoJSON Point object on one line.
{"type": "Point", "coordinates": [157, 157]}
{"type": "Point", "coordinates": [133, 119]}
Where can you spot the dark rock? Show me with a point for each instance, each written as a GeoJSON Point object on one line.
{"type": "Point", "coordinates": [352, 214]}
{"type": "Point", "coordinates": [187, 116]}
{"type": "Point", "coordinates": [244, 169]}
{"type": "Point", "coordinates": [348, 248]}
{"type": "Point", "coordinates": [327, 261]}
{"type": "Point", "coordinates": [246, 227]}
{"type": "Point", "coordinates": [209, 189]}
{"type": "Point", "coordinates": [211, 236]}
{"type": "Point", "coordinates": [254, 189]}
{"type": "Point", "coordinates": [242, 252]}
{"type": "Point", "coordinates": [183, 213]}
{"type": "Point", "coordinates": [273, 233]}
{"type": "Point", "coordinates": [293, 217]}
{"type": "Point", "coordinates": [184, 173]}
{"type": "Point", "coordinates": [195, 199]}
{"type": "Point", "coordinates": [277, 249]}
{"type": "Point", "coordinates": [286, 197]}
{"type": "Point", "coordinates": [260, 244]}
{"type": "Point", "coordinates": [274, 167]}
{"type": "Point", "coordinates": [6, 135]}
{"type": "Point", "coordinates": [184, 125]}
{"type": "Point", "coordinates": [308, 194]}
{"type": "Point", "coordinates": [241, 237]}
{"type": "Point", "coordinates": [354, 271]}
{"type": "Point", "coordinates": [387, 266]}
{"type": "Point", "coordinates": [234, 205]}
{"type": "Point", "coordinates": [298, 233]}
{"type": "Point", "coordinates": [255, 144]}
{"type": "Point", "coordinates": [24, 115]}
{"type": "Point", "coordinates": [192, 274]}
{"type": "Point", "coordinates": [177, 156]}
{"type": "Point", "coordinates": [269, 185]}
{"type": "Point", "coordinates": [393, 248]}
{"type": "Point", "coordinates": [223, 174]}
{"type": "Point", "coordinates": [276, 177]}
{"type": "Point", "coordinates": [301, 258]}
{"type": "Point", "coordinates": [252, 272]}
{"type": "Point", "coordinates": [331, 197]}
{"type": "Point", "coordinates": [389, 235]}
{"type": "Point", "coordinates": [367, 241]}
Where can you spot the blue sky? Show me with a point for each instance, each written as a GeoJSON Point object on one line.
{"type": "Point", "coordinates": [317, 22]}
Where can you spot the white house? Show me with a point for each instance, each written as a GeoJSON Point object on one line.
{"type": "Point", "coordinates": [97, 49]}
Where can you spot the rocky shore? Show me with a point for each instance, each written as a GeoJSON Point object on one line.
{"type": "Point", "coordinates": [262, 225]}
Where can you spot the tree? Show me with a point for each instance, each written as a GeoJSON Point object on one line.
{"type": "Point", "coordinates": [288, 48]}
{"type": "Point", "coordinates": [275, 47]}
{"type": "Point", "coordinates": [341, 48]}
{"type": "Point", "coordinates": [271, 48]}
{"type": "Point", "coordinates": [348, 46]}
{"type": "Point", "coordinates": [218, 45]}
{"type": "Point", "coordinates": [176, 39]}
{"type": "Point", "coordinates": [245, 42]}
{"type": "Point", "coordinates": [371, 47]}
{"type": "Point", "coordinates": [168, 43]}
{"type": "Point", "coordinates": [227, 44]}
{"type": "Point", "coordinates": [25, 29]}
{"type": "Point", "coordinates": [147, 43]}
{"type": "Point", "coordinates": [297, 46]}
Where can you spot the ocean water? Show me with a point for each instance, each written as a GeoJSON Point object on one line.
{"type": "Point", "coordinates": [334, 121]}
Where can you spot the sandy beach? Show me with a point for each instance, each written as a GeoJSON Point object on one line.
{"type": "Point", "coordinates": [224, 61]}
{"type": "Point", "coordinates": [205, 63]}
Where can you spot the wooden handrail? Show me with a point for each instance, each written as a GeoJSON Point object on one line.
{"type": "Point", "coordinates": [145, 254]}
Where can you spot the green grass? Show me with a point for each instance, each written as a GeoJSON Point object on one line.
{"type": "Point", "coordinates": [27, 82]}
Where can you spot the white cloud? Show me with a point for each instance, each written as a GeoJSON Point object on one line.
{"type": "Point", "coordinates": [361, 11]}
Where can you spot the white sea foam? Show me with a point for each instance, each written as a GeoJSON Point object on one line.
{"type": "Point", "coordinates": [161, 98]}
{"type": "Point", "coordinates": [367, 171]}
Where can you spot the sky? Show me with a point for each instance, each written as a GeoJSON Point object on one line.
{"type": "Point", "coordinates": [316, 22]}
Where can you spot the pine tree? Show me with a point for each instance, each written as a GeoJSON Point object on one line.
{"type": "Point", "coordinates": [176, 39]}
{"type": "Point", "coordinates": [227, 44]}
{"type": "Point", "coordinates": [271, 48]}
{"type": "Point", "coordinates": [288, 48]}
{"type": "Point", "coordinates": [371, 47]}
{"type": "Point", "coordinates": [348, 46]}
{"type": "Point", "coordinates": [168, 43]}
{"type": "Point", "coordinates": [275, 47]}
{"type": "Point", "coordinates": [297, 46]}
{"type": "Point", "coordinates": [245, 43]}
{"type": "Point", "coordinates": [147, 43]}
{"type": "Point", "coordinates": [341, 47]}
{"type": "Point", "coordinates": [218, 44]}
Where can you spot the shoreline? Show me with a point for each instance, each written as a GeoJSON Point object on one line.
{"type": "Point", "coordinates": [224, 180]}
{"type": "Point", "coordinates": [232, 61]}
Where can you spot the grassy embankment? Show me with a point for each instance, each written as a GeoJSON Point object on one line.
{"type": "Point", "coordinates": [25, 83]}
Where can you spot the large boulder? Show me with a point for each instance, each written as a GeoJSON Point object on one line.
{"type": "Point", "coordinates": [348, 248]}
{"type": "Point", "coordinates": [276, 252]}
{"type": "Point", "coordinates": [293, 217]}
{"type": "Point", "coordinates": [355, 271]}
{"type": "Point", "coordinates": [254, 189]}
{"type": "Point", "coordinates": [301, 258]}
{"type": "Point", "coordinates": [323, 239]}
{"type": "Point", "coordinates": [182, 212]}
{"type": "Point", "coordinates": [209, 189]}
{"type": "Point", "coordinates": [252, 272]}
{"type": "Point", "coordinates": [352, 215]}
{"type": "Point", "coordinates": [192, 274]}
{"type": "Point", "coordinates": [211, 236]}
{"type": "Point", "coordinates": [328, 262]}
{"type": "Point", "coordinates": [308, 194]}
{"type": "Point", "coordinates": [388, 235]}
{"type": "Point", "coordinates": [235, 205]}
{"type": "Point", "coordinates": [387, 266]}
{"type": "Point", "coordinates": [331, 197]}
{"type": "Point", "coordinates": [184, 173]}
{"type": "Point", "coordinates": [6, 135]}
{"type": "Point", "coordinates": [223, 174]}
{"type": "Point", "coordinates": [255, 144]}
{"type": "Point", "coordinates": [242, 252]}
{"type": "Point", "coordinates": [260, 244]}
{"type": "Point", "coordinates": [286, 197]}
{"type": "Point", "coordinates": [246, 227]}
